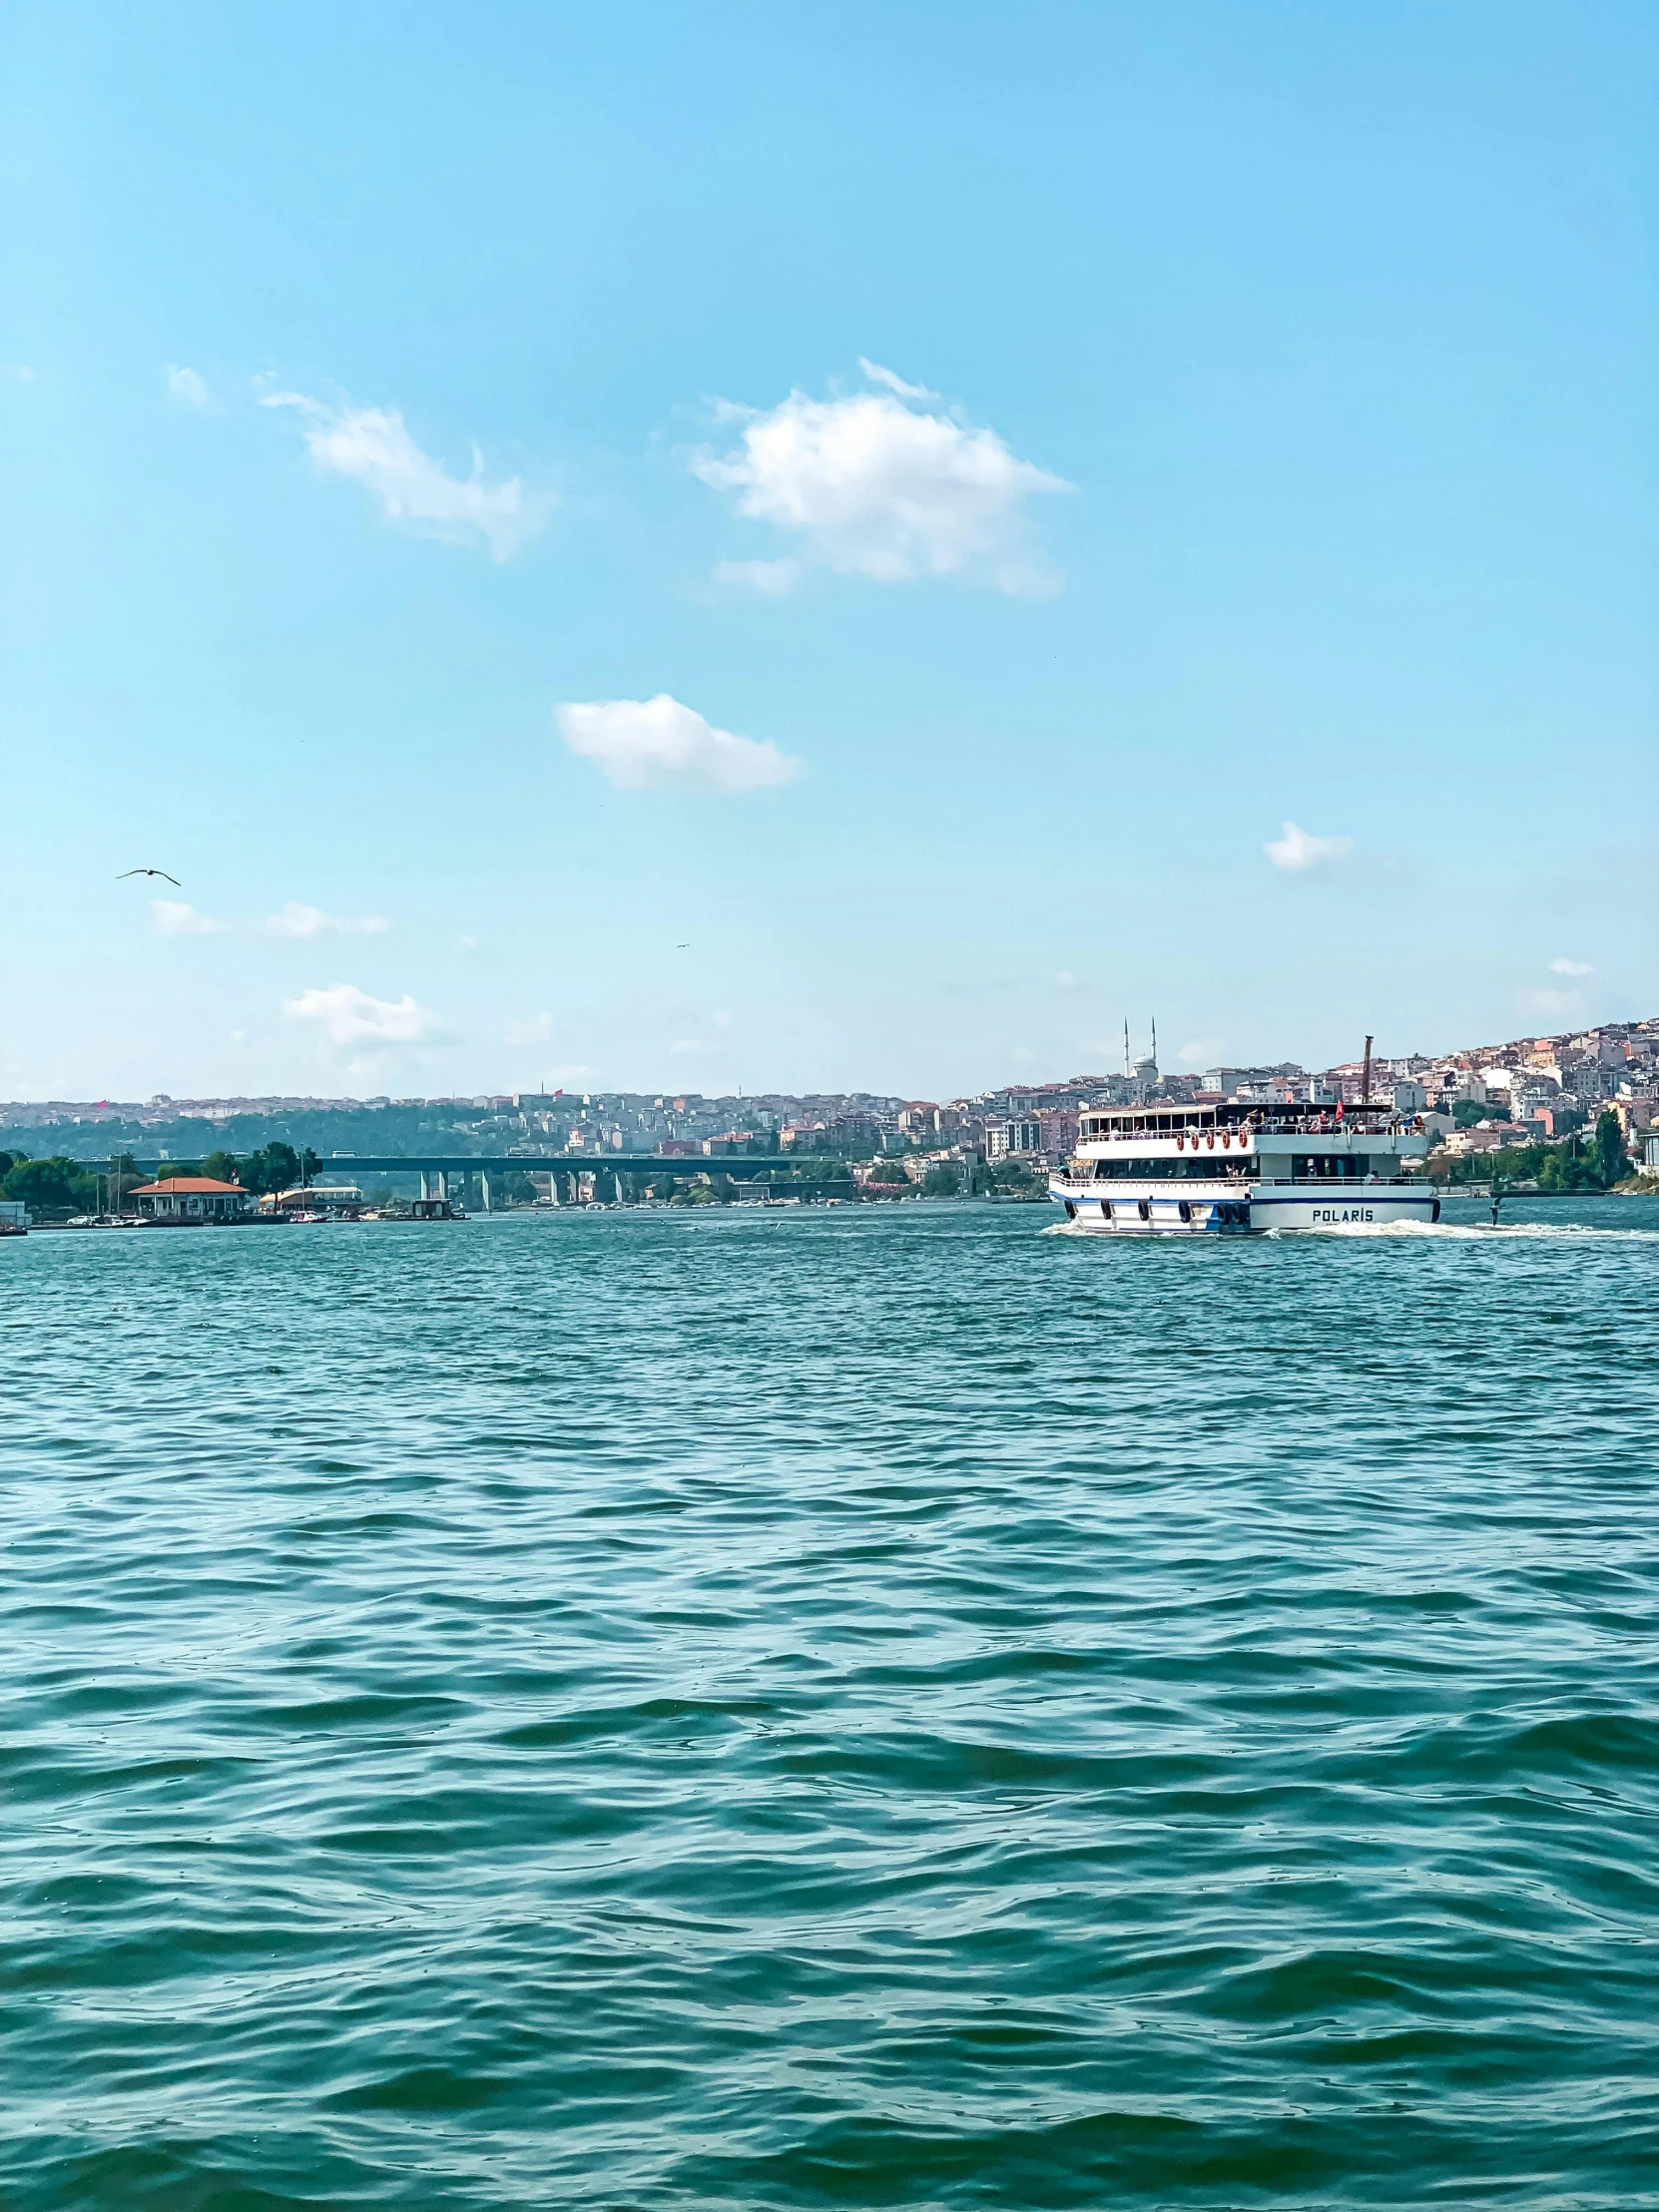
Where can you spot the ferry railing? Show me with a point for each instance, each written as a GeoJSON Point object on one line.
{"type": "Point", "coordinates": [1358, 1121]}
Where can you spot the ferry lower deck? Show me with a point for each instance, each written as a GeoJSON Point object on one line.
{"type": "Point", "coordinates": [1153, 1208]}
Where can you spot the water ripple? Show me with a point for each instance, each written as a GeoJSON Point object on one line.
{"type": "Point", "coordinates": [840, 1709]}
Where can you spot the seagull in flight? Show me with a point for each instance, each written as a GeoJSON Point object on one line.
{"type": "Point", "coordinates": [161, 872]}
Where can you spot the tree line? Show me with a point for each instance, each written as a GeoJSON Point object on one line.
{"type": "Point", "coordinates": [1592, 1162]}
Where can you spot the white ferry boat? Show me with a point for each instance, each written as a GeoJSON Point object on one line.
{"type": "Point", "coordinates": [1231, 1169]}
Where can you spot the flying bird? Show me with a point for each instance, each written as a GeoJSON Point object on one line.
{"type": "Point", "coordinates": [161, 872]}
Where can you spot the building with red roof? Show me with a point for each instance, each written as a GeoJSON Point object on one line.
{"type": "Point", "coordinates": [192, 1198]}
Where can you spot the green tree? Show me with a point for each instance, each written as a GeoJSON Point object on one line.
{"type": "Point", "coordinates": [1552, 1176]}
{"type": "Point", "coordinates": [1606, 1150]}
{"type": "Point", "coordinates": [942, 1180]}
{"type": "Point", "coordinates": [222, 1166]}
{"type": "Point", "coordinates": [58, 1185]}
{"type": "Point", "coordinates": [276, 1168]}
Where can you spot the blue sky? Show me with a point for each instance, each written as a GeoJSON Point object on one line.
{"type": "Point", "coordinates": [677, 547]}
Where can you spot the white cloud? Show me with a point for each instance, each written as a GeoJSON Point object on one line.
{"type": "Point", "coordinates": [688, 1046]}
{"type": "Point", "coordinates": [883, 488]}
{"type": "Point", "coordinates": [773, 579]}
{"type": "Point", "coordinates": [538, 1030]}
{"type": "Point", "coordinates": [172, 919]}
{"type": "Point", "coordinates": [373, 445]}
{"type": "Point", "coordinates": [1202, 1052]}
{"type": "Point", "coordinates": [1297, 848]}
{"type": "Point", "coordinates": [297, 921]}
{"type": "Point", "coordinates": [350, 1016]}
{"type": "Point", "coordinates": [640, 741]}
{"type": "Point", "coordinates": [19, 372]}
{"type": "Point", "coordinates": [186, 387]}
{"type": "Point", "coordinates": [1570, 967]}
{"type": "Point", "coordinates": [874, 373]}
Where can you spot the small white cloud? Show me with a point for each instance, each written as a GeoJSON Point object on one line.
{"type": "Point", "coordinates": [1297, 848]}
{"type": "Point", "coordinates": [186, 387]}
{"type": "Point", "coordinates": [538, 1030]}
{"type": "Point", "coordinates": [18, 373]}
{"type": "Point", "coordinates": [658, 742]}
{"type": "Point", "coordinates": [172, 919]}
{"type": "Point", "coordinates": [883, 488]}
{"type": "Point", "coordinates": [772, 579]}
{"type": "Point", "coordinates": [722, 1021]}
{"type": "Point", "coordinates": [1066, 979]}
{"type": "Point", "coordinates": [373, 445]}
{"type": "Point", "coordinates": [1022, 1055]}
{"type": "Point", "coordinates": [1202, 1052]}
{"type": "Point", "coordinates": [348, 1016]}
{"type": "Point", "coordinates": [466, 945]}
{"type": "Point", "coordinates": [688, 1046]}
{"type": "Point", "coordinates": [874, 373]}
{"type": "Point", "coordinates": [1570, 967]}
{"type": "Point", "coordinates": [297, 920]}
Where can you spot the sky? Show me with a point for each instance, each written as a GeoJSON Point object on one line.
{"type": "Point", "coordinates": [681, 547]}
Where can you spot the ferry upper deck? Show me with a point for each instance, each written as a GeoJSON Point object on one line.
{"type": "Point", "coordinates": [1120, 1124]}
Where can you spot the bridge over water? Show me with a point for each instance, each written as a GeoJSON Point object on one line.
{"type": "Point", "coordinates": [437, 1168]}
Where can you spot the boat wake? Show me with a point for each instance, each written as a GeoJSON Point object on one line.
{"type": "Point", "coordinates": [1455, 1232]}
{"type": "Point", "coordinates": [1534, 1232]}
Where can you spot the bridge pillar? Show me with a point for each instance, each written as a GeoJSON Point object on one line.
{"type": "Point", "coordinates": [485, 1185]}
{"type": "Point", "coordinates": [425, 1191]}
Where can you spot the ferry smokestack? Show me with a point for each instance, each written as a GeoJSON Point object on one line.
{"type": "Point", "coordinates": [1364, 1079]}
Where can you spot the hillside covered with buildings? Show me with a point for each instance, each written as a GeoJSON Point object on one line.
{"type": "Point", "coordinates": [1533, 1091]}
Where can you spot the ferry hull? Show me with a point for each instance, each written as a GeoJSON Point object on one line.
{"type": "Point", "coordinates": [1250, 1212]}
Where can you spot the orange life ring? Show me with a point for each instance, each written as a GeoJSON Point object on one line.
{"type": "Point", "coordinates": [1180, 1144]}
{"type": "Point", "coordinates": [1226, 1139]}
{"type": "Point", "coordinates": [1210, 1140]}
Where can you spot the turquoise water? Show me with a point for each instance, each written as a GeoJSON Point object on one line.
{"type": "Point", "coordinates": [837, 1708]}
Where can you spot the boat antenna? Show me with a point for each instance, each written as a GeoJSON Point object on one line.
{"type": "Point", "coordinates": [1127, 1069]}
{"type": "Point", "coordinates": [1155, 1040]}
{"type": "Point", "coordinates": [1364, 1079]}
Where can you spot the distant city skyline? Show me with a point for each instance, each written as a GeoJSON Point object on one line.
{"type": "Point", "coordinates": [1624, 1055]}
{"type": "Point", "coordinates": [749, 549]}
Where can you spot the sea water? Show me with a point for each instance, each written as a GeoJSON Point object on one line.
{"type": "Point", "coordinates": [879, 1707]}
